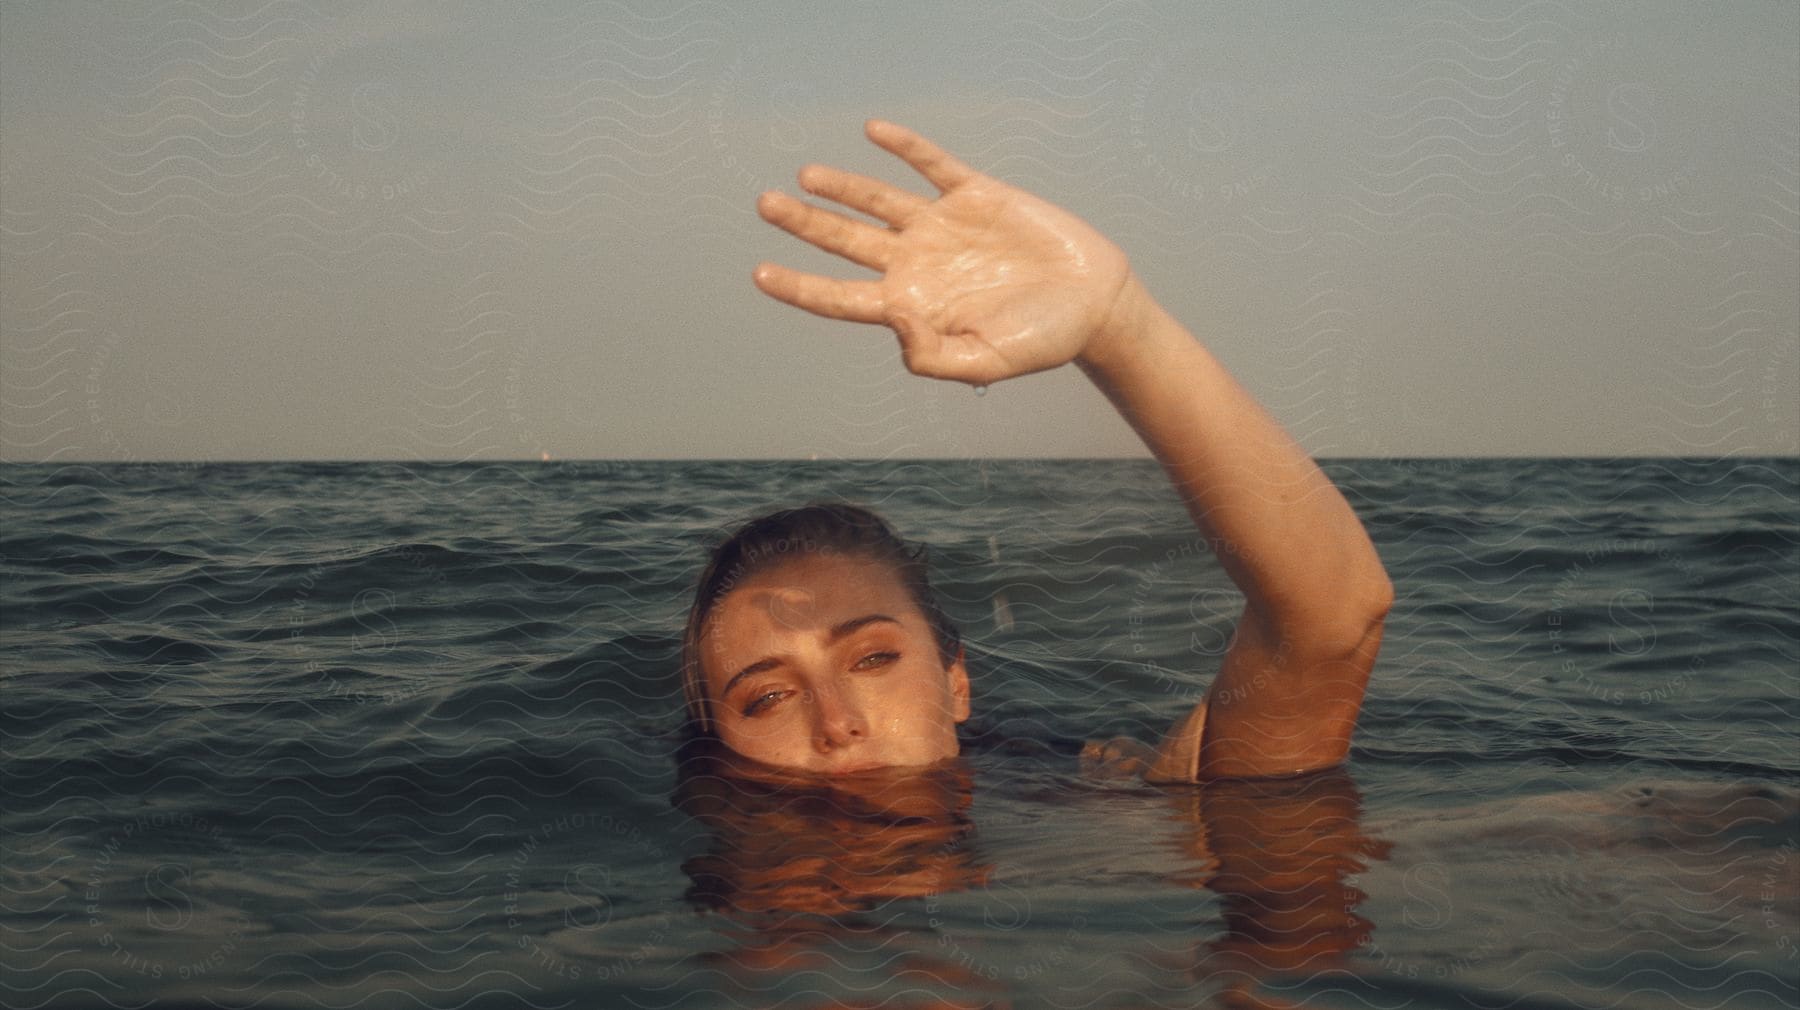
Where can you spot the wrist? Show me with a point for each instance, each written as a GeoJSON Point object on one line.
{"type": "Point", "coordinates": [1129, 323]}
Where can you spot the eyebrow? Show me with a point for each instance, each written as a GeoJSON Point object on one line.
{"type": "Point", "coordinates": [832, 637]}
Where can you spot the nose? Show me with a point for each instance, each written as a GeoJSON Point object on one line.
{"type": "Point", "coordinates": [837, 720]}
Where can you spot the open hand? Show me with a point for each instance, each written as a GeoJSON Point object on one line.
{"type": "Point", "coordinates": [981, 284]}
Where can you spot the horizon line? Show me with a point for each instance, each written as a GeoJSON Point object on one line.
{"type": "Point", "coordinates": [852, 459]}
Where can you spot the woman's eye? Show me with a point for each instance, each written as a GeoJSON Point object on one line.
{"type": "Point", "coordinates": [762, 702]}
{"type": "Point", "coordinates": [876, 659]}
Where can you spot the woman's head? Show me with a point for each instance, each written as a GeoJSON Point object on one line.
{"type": "Point", "coordinates": [815, 642]}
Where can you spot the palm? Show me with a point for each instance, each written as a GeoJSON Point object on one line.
{"type": "Point", "coordinates": [984, 283]}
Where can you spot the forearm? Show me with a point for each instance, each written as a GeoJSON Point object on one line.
{"type": "Point", "coordinates": [1279, 527]}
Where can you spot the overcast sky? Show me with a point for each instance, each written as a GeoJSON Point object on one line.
{"type": "Point", "coordinates": [459, 231]}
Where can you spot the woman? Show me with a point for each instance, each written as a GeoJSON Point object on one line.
{"type": "Point", "coordinates": [814, 643]}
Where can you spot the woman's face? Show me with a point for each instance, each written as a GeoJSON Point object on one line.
{"type": "Point", "coordinates": [824, 664]}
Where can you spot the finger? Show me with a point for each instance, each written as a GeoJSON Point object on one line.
{"type": "Point", "coordinates": [856, 301]}
{"type": "Point", "coordinates": [859, 192]}
{"type": "Point", "coordinates": [931, 161]}
{"type": "Point", "coordinates": [854, 240]}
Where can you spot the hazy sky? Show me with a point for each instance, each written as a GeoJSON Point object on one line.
{"type": "Point", "coordinates": [453, 231]}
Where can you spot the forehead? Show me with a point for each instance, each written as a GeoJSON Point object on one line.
{"type": "Point", "coordinates": [807, 595]}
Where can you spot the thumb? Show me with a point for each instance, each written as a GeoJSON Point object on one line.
{"type": "Point", "coordinates": [921, 346]}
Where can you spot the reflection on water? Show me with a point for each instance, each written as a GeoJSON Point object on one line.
{"type": "Point", "coordinates": [785, 844]}
{"type": "Point", "coordinates": [804, 872]}
{"type": "Point", "coordinates": [1277, 853]}
{"type": "Point", "coordinates": [796, 863]}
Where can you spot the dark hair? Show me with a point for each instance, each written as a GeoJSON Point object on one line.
{"type": "Point", "coordinates": [782, 536]}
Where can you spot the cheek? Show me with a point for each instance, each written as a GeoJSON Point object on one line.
{"type": "Point", "coordinates": [912, 705]}
{"type": "Point", "coordinates": [765, 736]}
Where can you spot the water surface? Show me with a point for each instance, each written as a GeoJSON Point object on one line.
{"type": "Point", "coordinates": [307, 735]}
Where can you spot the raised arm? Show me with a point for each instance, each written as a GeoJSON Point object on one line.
{"type": "Point", "coordinates": [986, 282]}
{"type": "Point", "coordinates": [1292, 680]}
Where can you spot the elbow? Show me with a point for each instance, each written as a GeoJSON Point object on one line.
{"type": "Point", "coordinates": [1336, 601]}
{"type": "Point", "coordinates": [1365, 615]}
{"type": "Point", "coordinates": [1349, 645]}
{"type": "Point", "coordinates": [1341, 626]}
{"type": "Point", "coordinates": [1344, 631]}
{"type": "Point", "coordinates": [1379, 598]}
{"type": "Point", "coordinates": [1368, 596]}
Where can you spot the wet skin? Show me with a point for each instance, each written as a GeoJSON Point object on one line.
{"type": "Point", "coordinates": [823, 664]}
{"type": "Point", "coordinates": [986, 282]}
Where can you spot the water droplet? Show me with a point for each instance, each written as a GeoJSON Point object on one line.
{"type": "Point", "coordinates": [980, 390]}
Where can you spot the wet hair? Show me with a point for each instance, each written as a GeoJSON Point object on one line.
{"type": "Point", "coordinates": [771, 540]}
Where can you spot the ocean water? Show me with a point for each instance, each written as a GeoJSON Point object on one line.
{"type": "Point", "coordinates": [383, 735]}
